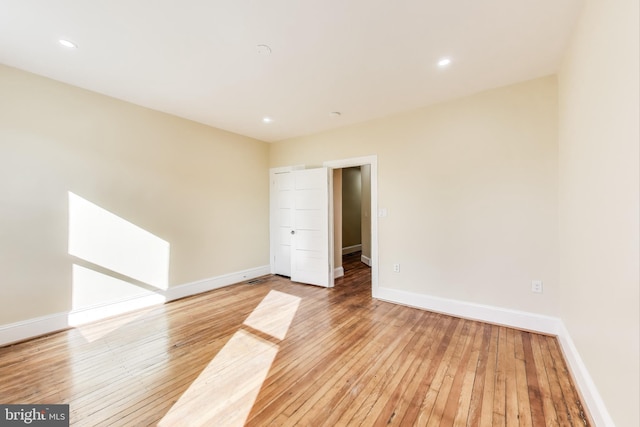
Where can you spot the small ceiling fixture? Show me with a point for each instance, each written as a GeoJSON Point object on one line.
{"type": "Point", "coordinates": [67, 43]}
{"type": "Point", "coordinates": [444, 62]}
{"type": "Point", "coordinates": [335, 114]}
{"type": "Point", "coordinates": [267, 119]}
{"type": "Point", "coordinates": [263, 49]}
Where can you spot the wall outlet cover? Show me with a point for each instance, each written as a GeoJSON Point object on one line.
{"type": "Point", "coordinates": [536, 286]}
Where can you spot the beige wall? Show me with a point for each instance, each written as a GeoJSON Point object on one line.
{"type": "Point", "coordinates": [599, 199]}
{"type": "Point", "coordinates": [203, 190]}
{"type": "Point", "coordinates": [471, 192]}
{"type": "Point", "coordinates": [351, 207]}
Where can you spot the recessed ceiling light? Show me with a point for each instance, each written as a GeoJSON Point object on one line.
{"type": "Point", "coordinates": [267, 119]}
{"type": "Point", "coordinates": [263, 49]}
{"type": "Point", "coordinates": [444, 62]}
{"type": "Point", "coordinates": [67, 43]}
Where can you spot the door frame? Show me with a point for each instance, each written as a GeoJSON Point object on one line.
{"type": "Point", "coordinates": [372, 161]}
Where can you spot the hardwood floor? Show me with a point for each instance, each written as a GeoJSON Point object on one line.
{"type": "Point", "coordinates": [279, 353]}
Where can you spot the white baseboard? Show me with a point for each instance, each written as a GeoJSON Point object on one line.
{"type": "Point", "coordinates": [468, 310]}
{"type": "Point", "coordinates": [365, 260]}
{"type": "Point", "coordinates": [351, 249]}
{"type": "Point", "coordinates": [200, 286]}
{"type": "Point", "coordinates": [338, 272]}
{"type": "Point", "coordinates": [31, 328]}
{"type": "Point", "coordinates": [584, 382]}
{"type": "Point", "coordinates": [515, 319]}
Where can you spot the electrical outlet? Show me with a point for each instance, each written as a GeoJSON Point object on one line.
{"type": "Point", "coordinates": [396, 268]}
{"type": "Point", "coordinates": [536, 286]}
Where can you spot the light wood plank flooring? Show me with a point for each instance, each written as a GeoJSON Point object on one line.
{"type": "Point", "coordinates": [344, 360]}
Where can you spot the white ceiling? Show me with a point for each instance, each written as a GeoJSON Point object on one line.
{"type": "Point", "coordinates": [365, 58]}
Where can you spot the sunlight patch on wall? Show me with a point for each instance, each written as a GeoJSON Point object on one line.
{"type": "Point", "coordinates": [115, 245]}
{"type": "Point", "coordinates": [102, 238]}
{"type": "Point", "coordinates": [225, 391]}
{"type": "Point", "coordinates": [96, 296]}
{"type": "Point", "coordinates": [92, 288]}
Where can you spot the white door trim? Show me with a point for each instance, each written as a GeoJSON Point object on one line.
{"type": "Point", "coordinates": [353, 162]}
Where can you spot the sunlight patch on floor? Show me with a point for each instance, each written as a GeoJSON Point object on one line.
{"type": "Point", "coordinates": [225, 391]}
{"type": "Point", "coordinates": [274, 314]}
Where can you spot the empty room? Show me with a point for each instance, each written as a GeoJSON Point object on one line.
{"type": "Point", "coordinates": [320, 213]}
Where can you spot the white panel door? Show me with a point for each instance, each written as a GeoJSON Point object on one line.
{"type": "Point", "coordinates": [310, 233]}
{"type": "Point", "coordinates": [283, 216]}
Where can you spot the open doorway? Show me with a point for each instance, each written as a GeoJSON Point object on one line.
{"type": "Point", "coordinates": [368, 167]}
{"type": "Point", "coordinates": [351, 218]}
{"type": "Point", "coordinates": [283, 220]}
